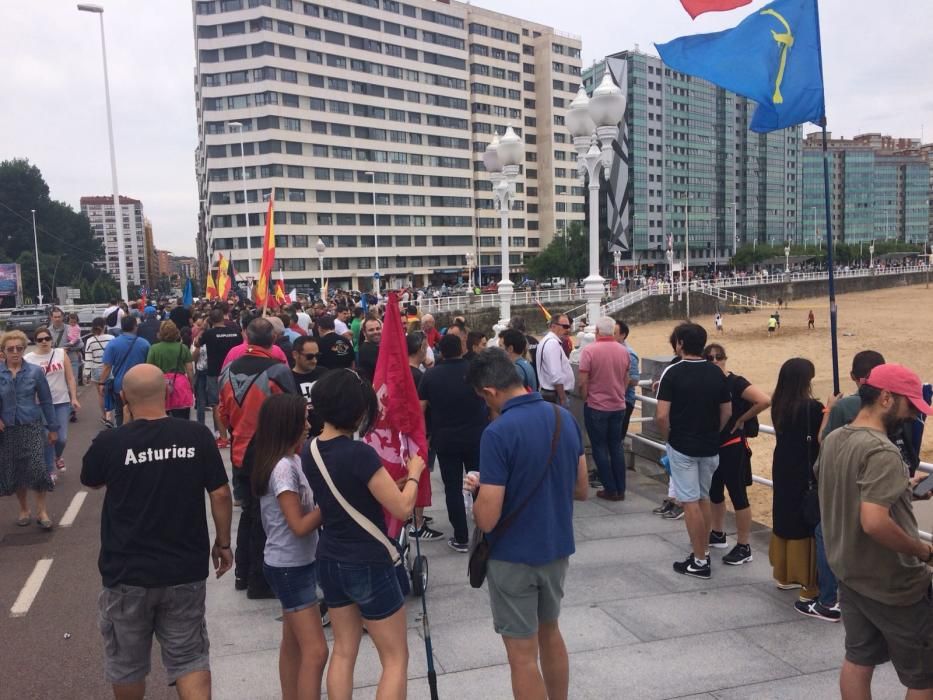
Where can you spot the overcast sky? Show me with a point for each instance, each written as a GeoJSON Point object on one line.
{"type": "Point", "coordinates": [877, 64]}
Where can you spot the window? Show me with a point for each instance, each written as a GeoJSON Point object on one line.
{"type": "Point", "coordinates": [234, 53]}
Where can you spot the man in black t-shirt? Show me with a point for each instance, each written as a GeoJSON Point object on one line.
{"type": "Point", "coordinates": [336, 350]}
{"type": "Point", "coordinates": [155, 547]}
{"type": "Point", "coordinates": [458, 418]}
{"type": "Point", "coordinates": [694, 405]}
{"type": "Point", "coordinates": [369, 348]}
{"type": "Point", "coordinates": [217, 341]}
{"type": "Point", "coordinates": [306, 372]}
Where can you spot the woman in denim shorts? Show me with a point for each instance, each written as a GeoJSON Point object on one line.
{"type": "Point", "coordinates": [290, 520]}
{"type": "Point", "coordinates": [355, 568]}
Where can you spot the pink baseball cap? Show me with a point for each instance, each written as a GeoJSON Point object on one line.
{"type": "Point", "coordinates": [899, 380]}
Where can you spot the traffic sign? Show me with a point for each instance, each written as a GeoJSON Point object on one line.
{"type": "Point", "coordinates": [376, 275]}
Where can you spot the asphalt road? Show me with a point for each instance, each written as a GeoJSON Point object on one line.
{"type": "Point", "coordinates": [54, 650]}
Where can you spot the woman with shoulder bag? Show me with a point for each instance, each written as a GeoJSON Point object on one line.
{"type": "Point", "coordinates": [796, 416]}
{"type": "Point", "coordinates": [94, 361]}
{"type": "Point", "coordinates": [56, 366]}
{"type": "Point", "coordinates": [173, 357]}
{"type": "Point", "coordinates": [290, 521]}
{"type": "Point", "coordinates": [356, 560]}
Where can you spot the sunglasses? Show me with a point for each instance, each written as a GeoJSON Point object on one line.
{"type": "Point", "coordinates": [311, 355]}
{"type": "Point", "coordinates": [15, 348]}
{"type": "Point", "coordinates": [715, 358]}
{"type": "Point", "coordinates": [565, 326]}
{"type": "Point", "coordinates": [44, 339]}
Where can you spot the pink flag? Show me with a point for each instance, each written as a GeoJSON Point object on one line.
{"type": "Point", "coordinates": [400, 425]}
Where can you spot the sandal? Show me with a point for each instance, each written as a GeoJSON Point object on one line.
{"type": "Point", "coordinates": [45, 524]}
{"type": "Point", "coordinates": [24, 521]}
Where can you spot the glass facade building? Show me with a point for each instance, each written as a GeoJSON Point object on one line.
{"type": "Point", "coordinates": [875, 194]}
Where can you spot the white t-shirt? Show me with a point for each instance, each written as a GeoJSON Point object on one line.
{"type": "Point", "coordinates": [304, 321]}
{"type": "Point", "coordinates": [54, 367]}
{"type": "Point", "coordinates": [283, 547]}
{"type": "Point", "coordinates": [340, 327]}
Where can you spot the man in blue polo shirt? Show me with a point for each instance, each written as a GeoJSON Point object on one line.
{"type": "Point", "coordinates": [532, 468]}
{"type": "Point", "coordinates": [121, 355]}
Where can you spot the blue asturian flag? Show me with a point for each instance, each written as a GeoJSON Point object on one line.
{"type": "Point", "coordinates": [772, 57]}
{"type": "Point", "coordinates": [187, 297]}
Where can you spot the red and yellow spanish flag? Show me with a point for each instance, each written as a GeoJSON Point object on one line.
{"type": "Point", "coordinates": [223, 279]}
{"type": "Point", "coordinates": [547, 314]}
{"type": "Point", "coordinates": [210, 289]}
{"type": "Point", "coordinates": [261, 293]}
{"type": "Point", "coordinates": [281, 298]}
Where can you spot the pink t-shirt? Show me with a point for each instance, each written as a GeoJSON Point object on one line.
{"type": "Point", "coordinates": [237, 352]}
{"type": "Point", "coordinates": [606, 361]}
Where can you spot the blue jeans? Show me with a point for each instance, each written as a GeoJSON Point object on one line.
{"type": "Point", "coordinates": [605, 431]}
{"type": "Point", "coordinates": [824, 575]}
{"type": "Point", "coordinates": [62, 416]}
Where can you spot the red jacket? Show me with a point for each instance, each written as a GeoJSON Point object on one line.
{"type": "Point", "coordinates": [244, 385]}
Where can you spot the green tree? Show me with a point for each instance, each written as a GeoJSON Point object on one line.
{"type": "Point", "coordinates": [566, 256]}
{"type": "Point", "coordinates": [67, 246]}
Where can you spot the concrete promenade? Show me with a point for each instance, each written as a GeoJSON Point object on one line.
{"type": "Point", "coordinates": [633, 627]}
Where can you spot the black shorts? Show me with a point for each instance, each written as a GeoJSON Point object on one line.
{"type": "Point", "coordinates": [731, 474]}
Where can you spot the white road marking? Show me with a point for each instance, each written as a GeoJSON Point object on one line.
{"type": "Point", "coordinates": [72, 512]}
{"type": "Point", "coordinates": [31, 588]}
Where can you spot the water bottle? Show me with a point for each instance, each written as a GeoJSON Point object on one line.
{"type": "Point", "coordinates": [468, 497]}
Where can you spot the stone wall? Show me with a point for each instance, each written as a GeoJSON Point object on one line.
{"type": "Point", "coordinates": [659, 308]}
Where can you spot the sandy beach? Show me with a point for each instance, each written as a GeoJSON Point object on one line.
{"type": "Point", "coordinates": [896, 322]}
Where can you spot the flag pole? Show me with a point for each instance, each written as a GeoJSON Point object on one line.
{"type": "Point", "coordinates": [829, 261]}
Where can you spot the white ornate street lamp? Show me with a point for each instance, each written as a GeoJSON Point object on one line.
{"type": "Point", "coordinates": [320, 248]}
{"type": "Point", "coordinates": [594, 123]}
{"type": "Point", "coordinates": [502, 159]}
{"type": "Point", "coordinates": [787, 257]}
{"type": "Point", "coordinates": [871, 254]}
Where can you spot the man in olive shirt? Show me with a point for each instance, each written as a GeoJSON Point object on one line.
{"type": "Point", "coordinates": [872, 539]}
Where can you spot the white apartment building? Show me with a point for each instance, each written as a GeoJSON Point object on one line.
{"type": "Point", "coordinates": [99, 210]}
{"type": "Point", "coordinates": [370, 117]}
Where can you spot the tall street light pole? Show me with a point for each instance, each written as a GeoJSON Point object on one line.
{"type": "Point", "coordinates": [35, 239]}
{"type": "Point", "coordinates": [594, 123]}
{"type": "Point", "coordinates": [320, 248]}
{"type": "Point", "coordinates": [376, 274]}
{"type": "Point", "coordinates": [502, 159]}
{"type": "Point", "coordinates": [249, 243]}
{"type": "Point", "coordinates": [118, 213]}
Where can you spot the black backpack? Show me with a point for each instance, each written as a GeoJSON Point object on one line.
{"type": "Point", "coordinates": [112, 318]}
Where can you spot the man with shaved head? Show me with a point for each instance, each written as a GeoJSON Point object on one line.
{"type": "Point", "coordinates": [154, 542]}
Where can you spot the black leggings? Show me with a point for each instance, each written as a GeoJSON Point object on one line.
{"type": "Point", "coordinates": [731, 474]}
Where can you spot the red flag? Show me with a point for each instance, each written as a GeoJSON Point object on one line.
{"type": "Point", "coordinates": [261, 293]}
{"type": "Point", "coordinates": [696, 8]}
{"type": "Point", "coordinates": [400, 426]}
{"type": "Point", "coordinates": [280, 297]}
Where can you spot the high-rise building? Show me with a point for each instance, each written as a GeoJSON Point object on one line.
{"type": "Point", "coordinates": [879, 189]}
{"type": "Point", "coordinates": [371, 117]}
{"type": "Point", "coordinates": [100, 212]}
{"type": "Point", "coordinates": [693, 166]}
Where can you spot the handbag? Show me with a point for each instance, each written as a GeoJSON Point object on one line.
{"type": "Point", "coordinates": [364, 522]}
{"type": "Point", "coordinates": [811, 498]}
{"type": "Point", "coordinates": [179, 394]}
{"type": "Point", "coordinates": [480, 548]}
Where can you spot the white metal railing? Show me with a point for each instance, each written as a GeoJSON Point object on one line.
{"type": "Point", "coordinates": [461, 303]}
{"type": "Point", "coordinates": [925, 467]}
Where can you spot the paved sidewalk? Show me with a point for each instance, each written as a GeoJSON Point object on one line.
{"type": "Point", "coordinates": [634, 628]}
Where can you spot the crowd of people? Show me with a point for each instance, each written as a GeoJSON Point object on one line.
{"type": "Point", "coordinates": [290, 393]}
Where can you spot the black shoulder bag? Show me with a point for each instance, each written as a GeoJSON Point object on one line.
{"type": "Point", "coordinates": [811, 498]}
{"type": "Point", "coordinates": [479, 545]}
